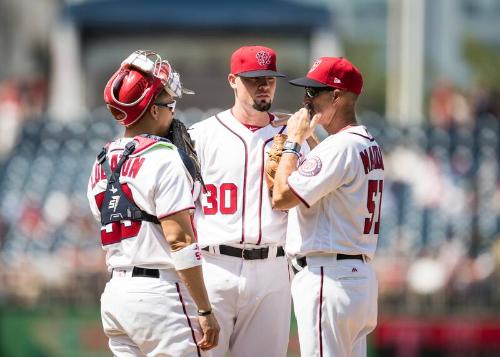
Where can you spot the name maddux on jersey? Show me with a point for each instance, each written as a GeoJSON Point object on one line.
{"type": "Point", "coordinates": [346, 173]}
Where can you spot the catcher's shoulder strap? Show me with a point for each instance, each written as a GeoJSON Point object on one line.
{"type": "Point", "coordinates": [116, 206]}
{"type": "Point", "coordinates": [147, 142]}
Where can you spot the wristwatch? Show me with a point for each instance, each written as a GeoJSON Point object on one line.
{"type": "Point", "coordinates": [204, 312]}
{"type": "Point", "coordinates": [291, 146]}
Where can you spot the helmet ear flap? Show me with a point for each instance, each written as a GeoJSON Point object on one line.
{"type": "Point", "coordinates": [119, 114]}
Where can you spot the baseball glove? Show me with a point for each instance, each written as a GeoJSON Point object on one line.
{"type": "Point", "coordinates": [273, 158]}
{"type": "Point", "coordinates": [180, 137]}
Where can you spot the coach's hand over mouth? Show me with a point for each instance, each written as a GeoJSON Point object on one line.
{"type": "Point", "coordinates": [300, 126]}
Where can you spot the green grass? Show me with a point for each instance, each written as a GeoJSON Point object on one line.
{"type": "Point", "coordinates": [51, 332]}
{"type": "Point", "coordinates": [65, 331]}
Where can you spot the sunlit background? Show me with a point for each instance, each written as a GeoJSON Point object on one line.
{"type": "Point", "coordinates": [431, 98]}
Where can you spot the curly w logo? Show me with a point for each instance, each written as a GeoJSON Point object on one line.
{"type": "Point", "coordinates": [263, 57]}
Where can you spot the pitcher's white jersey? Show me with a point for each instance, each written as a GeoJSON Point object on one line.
{"type": "Point", "coordinates": [226, 215]}
{"type": "Point", "coordinates": [155, 178]}
{"type": "Point", "coordinates": [340, 184]}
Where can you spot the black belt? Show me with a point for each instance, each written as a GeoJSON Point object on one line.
{"type": "Point", "coordinates": [247, 254]}
{"type": "Point", "coordinates": [145, 272]}
{"type": "Point", "coordinates": [141, 272]}
{"type": "Point", "coordinates": [302, 261]}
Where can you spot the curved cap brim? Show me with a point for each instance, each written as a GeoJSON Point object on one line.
{"type": "Point", "coordinates": [307, 82]}
{"type": "Point", "coordinates": [261, 73]}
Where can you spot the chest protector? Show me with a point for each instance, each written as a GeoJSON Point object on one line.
{"type": "Point", "coordinates": [116, 206]}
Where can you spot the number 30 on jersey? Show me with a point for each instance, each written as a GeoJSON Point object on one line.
{"type": "Point", "coordinates": [223, 199]}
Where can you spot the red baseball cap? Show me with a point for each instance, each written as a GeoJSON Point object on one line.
{"type": "Point", "coordinates": [254, 61]}
{"type": "Point", "coordinates": [336, 72]}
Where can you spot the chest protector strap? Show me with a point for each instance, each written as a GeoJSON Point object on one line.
{"type": "Point", "coordinates": [116, 206]}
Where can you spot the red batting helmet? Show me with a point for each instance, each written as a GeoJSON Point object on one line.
{"type": "Point", "coordinates": [139, 80]}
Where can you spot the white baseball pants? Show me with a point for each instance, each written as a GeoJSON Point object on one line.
{"type": "Point", "coordinates": [335, 303]}
{"type": "Point", "coordinates": [251, 300]}
{"type": "Point", "coordinates": [145, 316]}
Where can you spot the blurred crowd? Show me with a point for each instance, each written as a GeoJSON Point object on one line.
{"type": "Point", "coordinates": [438, 252]}
{"type": "Point", "coordinates": [20, 100]}
{"type": "Point", "coordinates": [53, 255]}
{"type": "Point", "coordinates": [449, 105]}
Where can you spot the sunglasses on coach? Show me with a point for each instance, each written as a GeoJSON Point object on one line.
{"type": "Point", "coordinates": [314, 92]}
{"type": "Point", "coordinates": [170, 105]}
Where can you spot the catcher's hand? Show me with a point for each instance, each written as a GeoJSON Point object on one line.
{"type": "Point", "coordinates": [273, 158]}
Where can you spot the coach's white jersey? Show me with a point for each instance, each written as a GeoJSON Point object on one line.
{"type": "Point", "coordinates": [236, 207]}
{"type": "Point", "coordinates": [155, 178]}
{"type": "Point", "coordinates": [340, 185]}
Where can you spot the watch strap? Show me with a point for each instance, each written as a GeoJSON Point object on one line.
{"type": "Point", "coordinates": [291, 146]}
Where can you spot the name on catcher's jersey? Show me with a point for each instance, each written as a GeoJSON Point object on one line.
{"type": "Point", "coordinates": [156, 180]}
{"type": "Point", "coordinates": [340, 184]}
{"type": "Point", "coordinates": [236, 208]}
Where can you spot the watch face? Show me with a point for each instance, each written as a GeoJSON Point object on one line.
{"type": "Point", "coordinates": [290, 145]}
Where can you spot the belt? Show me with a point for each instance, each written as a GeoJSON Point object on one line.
{"type": "Point", "coordinates": [247, 254]}
{"type": "Point", "coordinates": [144, 272]}
{"type": "Point", "coordinates": [302, 261]}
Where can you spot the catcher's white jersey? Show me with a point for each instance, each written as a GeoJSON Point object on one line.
{"type": "Point", "coordinates": [155, 178]}
{"type": "Point", "coordinates": [340, 184]}
{"type": "Point", "coordinates": [236, 209]}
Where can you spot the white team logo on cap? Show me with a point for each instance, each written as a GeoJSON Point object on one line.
{"type": "Point", "coordinates": [315, 65]}
{"type": "Point", "coordinates": [263, 57]}
{"type": "Point", "coordinates": [336, 80]}
{"type": "Point", "coordinates": [310, 167]}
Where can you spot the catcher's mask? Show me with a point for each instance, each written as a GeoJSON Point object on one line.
{"type": "Point", "coordinates": [139, 80]}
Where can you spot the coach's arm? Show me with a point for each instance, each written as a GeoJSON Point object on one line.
{"type": "Point", "coordinates": [299, 128]}
{"type": "Point", "coordinates": [283, 197]}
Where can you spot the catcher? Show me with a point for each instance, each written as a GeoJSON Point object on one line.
{"type": "Point", "coordinates": [140, 189]}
